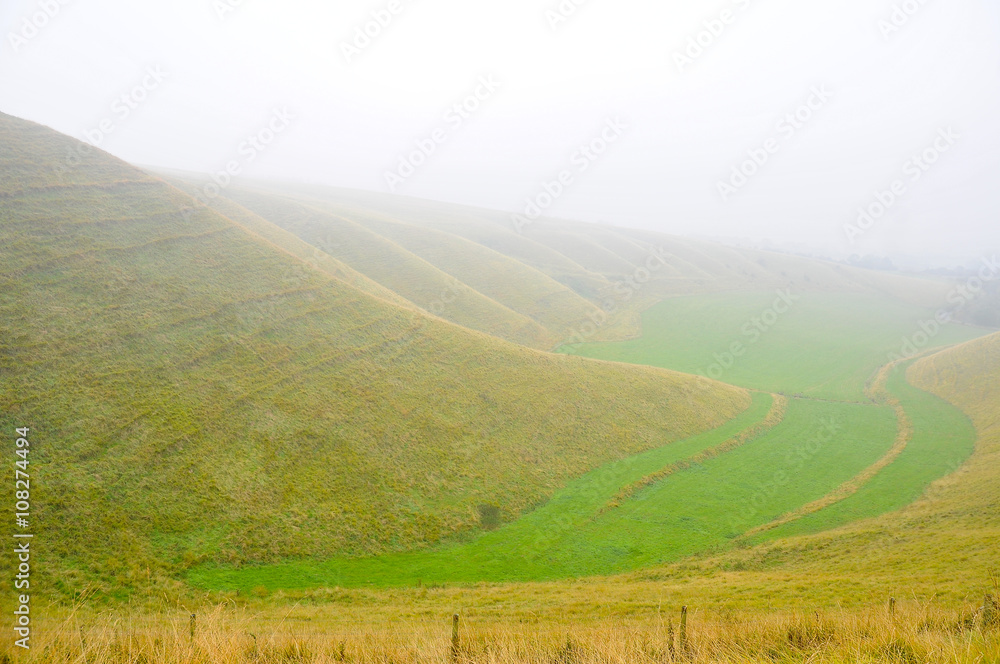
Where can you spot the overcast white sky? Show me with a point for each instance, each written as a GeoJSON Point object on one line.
{"type": "Point", "coordinates": [228, 64]}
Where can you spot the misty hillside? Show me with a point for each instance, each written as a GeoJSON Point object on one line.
{"type": "Point", "coordinates": [514, 332]}
{"type": "Point", "coordinates": [544, 284]}
{"type": "Point", "coordinates": [199, 392]}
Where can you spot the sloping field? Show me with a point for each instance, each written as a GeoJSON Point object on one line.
{"type": "Point", "coordinates": [939, 440]}
{"type": "Point", "coordinates": [197, 392]}
{"type": "Point", "coordinates": [935, 552]}
{"type": "Point", "coordinates": [705, 501]}
{"type": "Point", "coordinates": [941, 547]}
{"type": "Point", "coordinates": [722, 485]}
{"type": "Point", "coordinates": [387, 262]}
{"type": "Point", "coordinates": [518, 550]}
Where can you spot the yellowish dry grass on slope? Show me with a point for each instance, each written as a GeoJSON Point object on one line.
{"type": "Point", "coordinates": [294, 245]}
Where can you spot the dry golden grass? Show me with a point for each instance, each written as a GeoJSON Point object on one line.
{"type": "Point", "coordinates": [229, 634]}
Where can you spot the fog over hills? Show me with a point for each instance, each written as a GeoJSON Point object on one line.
{"type": "Point", "coordinates": [769, 121]}
{"type": "Point", "coordinates": [527, 331]}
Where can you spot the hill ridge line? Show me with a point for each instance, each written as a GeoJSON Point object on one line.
{"type": "Point", "coordinates": [430, 265]}
{"type": "Point", "coordinates": [513, 317]}
{"type": "Point", "coordinates": [539, 274]}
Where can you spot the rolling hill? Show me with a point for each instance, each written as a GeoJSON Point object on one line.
{"type": "Point", "coordinates": [544, 285]}
{"type": "Point", "coordinates": [833, 436]}
{"type": "Point", "coordinates": [200, 387]}
{"type": "Point", "coordinates": [309, 376]}
{"type": "Point", "coordinates": [936, 553]}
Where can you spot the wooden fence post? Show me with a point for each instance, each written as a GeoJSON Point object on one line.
{"type": "Point", "coordinates": [454, 638]}
{"type": "Point", "coordinates": [892, 606]}
{"type": "Point", "coordinates": [682, 645]}
{"type": "Point", "coordinates": [192, 627]}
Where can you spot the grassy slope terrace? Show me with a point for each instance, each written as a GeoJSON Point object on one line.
{"type": "Point", "coordinates": [197, 393]}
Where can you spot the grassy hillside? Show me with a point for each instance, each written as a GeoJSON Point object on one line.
{"type": "Point", "coordinates": [834, 449]}
{"type": "Point", "coordinates": [812, 598]}
{"type": "Point", "coordinates": [197, 391]}
{"type": "Point", "coordinates": [574, 280]}
{"type": "Point", "coordinates": [512, 283]}
{"type": "Point", "coordinates": [441, 273]}
{"type": "Point", "coordinates": [297, 247]}
{"type": "Point", "coordinates": [707, 501]}
{"type": "Point", "coordinates": [392, 265]}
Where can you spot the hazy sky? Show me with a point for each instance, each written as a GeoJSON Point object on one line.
{"type": "Point", "coordinates": [670, 96]}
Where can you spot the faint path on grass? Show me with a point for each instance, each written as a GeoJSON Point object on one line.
{"type": "Point", "coordinates": [779, 406]}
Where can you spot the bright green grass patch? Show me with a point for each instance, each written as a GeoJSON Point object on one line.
{"type": "Point", "coordinates": [818, 446]}
{"type": "Point", "coordinates": [943, 438]}
{"type": "Point", "coordinates": [824, 345]}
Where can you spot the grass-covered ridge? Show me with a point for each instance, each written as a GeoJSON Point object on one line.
{"type": "Point", "coordinates": [544, 285]}
{"type": "Point", "coordinates": [197, 392]}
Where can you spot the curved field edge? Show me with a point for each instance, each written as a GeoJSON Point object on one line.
{"type": "Point", "coordinates": [576, 503]}
{"type": "Point", "coordinates": [817, 446]}
{"type": "Point", "coordinates": [878, 393]}
{"type": "Point", "coordinates": [775, 415]}
{"type": "Point", "coordinates": [941, 438]}
{"type": "Point", "coordinates": [941, 547]}
{"type": "Point", "coordinates": [693, 511]}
